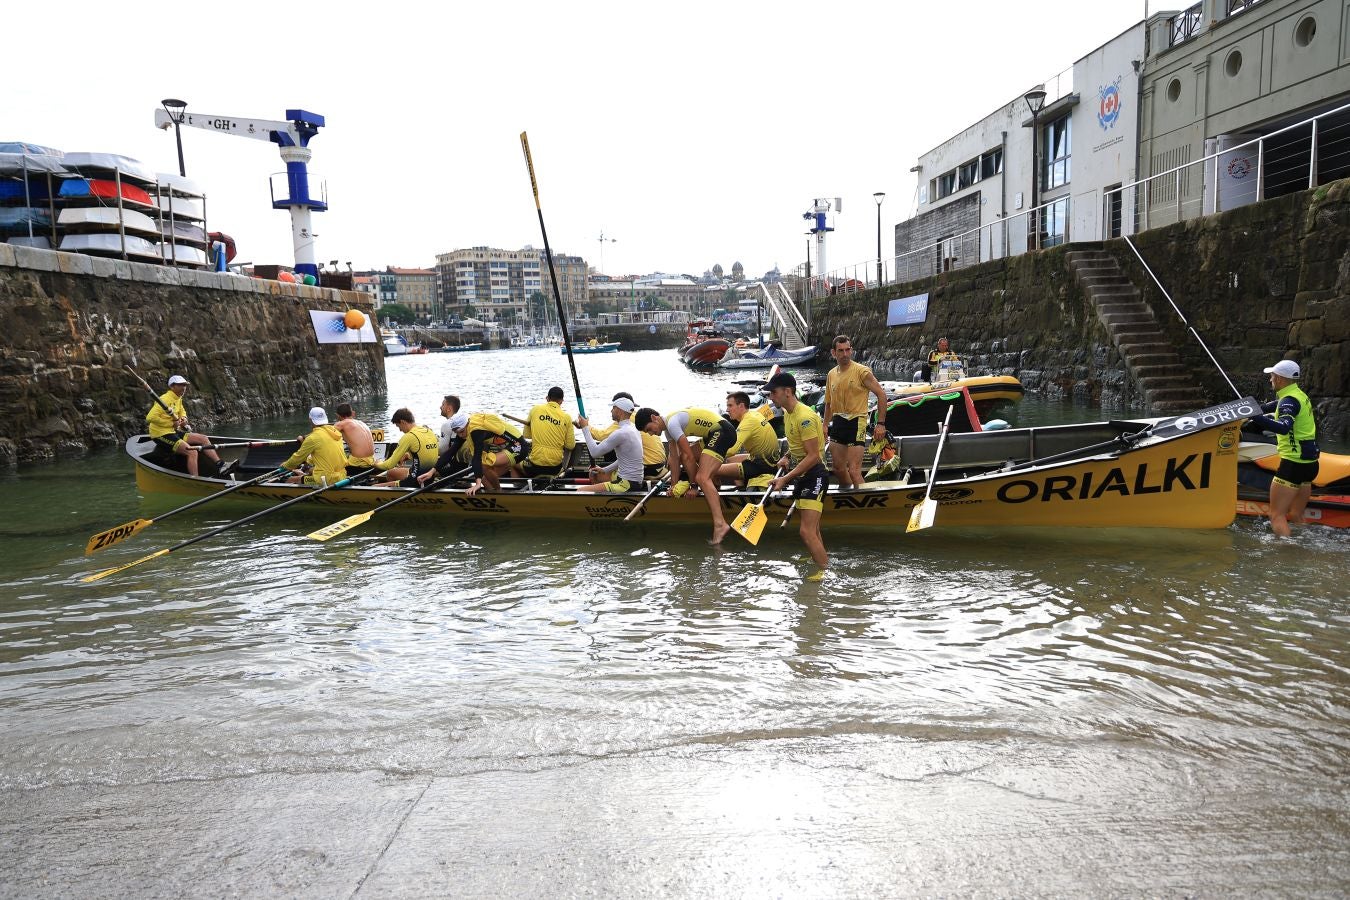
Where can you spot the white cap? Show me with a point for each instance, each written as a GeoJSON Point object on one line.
{"type": "Point", "coordinates": [624, 404]}
{"type": "Point", "coordinates": [459, 420]}
{"type": "Point", "coordinates": [1285, 368]}
{"type": "Point", "coordinates": [318, 416]}
{"type": "Point", "coordinates": [177, 379]}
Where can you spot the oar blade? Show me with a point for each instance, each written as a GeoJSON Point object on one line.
{"type": "Point", "coordinates": [921, 516]}
{"type": "Point", "coordinates": [122, 568]}
{"type": "Point", "coordinates": [347, 524]}
{"type": "Point", "coordinates": [105, 539]}
{"type": "Point", "coordinates": [749, 523]}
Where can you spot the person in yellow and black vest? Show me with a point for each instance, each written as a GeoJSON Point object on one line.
{"type": "Point", "coordinates": [322, 450]}
{"type": "Point", "coordinates": [492, 447]}
{"type": "Point", "coordinates": [1296, 436]}
{"type": "Point", "coordinates": [416, 451]}
{"type": "Point", "coordinates": [168, 425]}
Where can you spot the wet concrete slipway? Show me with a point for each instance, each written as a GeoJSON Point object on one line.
{"type": "Point", "coordinates": [550, 710]}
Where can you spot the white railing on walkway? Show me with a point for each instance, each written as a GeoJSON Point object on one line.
{"type": "Point", "coordinates": [1293, 158]}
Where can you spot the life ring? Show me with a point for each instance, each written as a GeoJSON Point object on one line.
{"type": "Point", "coordinates": [228, 241]}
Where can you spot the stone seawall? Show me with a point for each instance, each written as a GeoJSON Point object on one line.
{"type": "Point", "coordinates": [72, 323]}
{"type": "Point", "coordinates": [1257, 283]}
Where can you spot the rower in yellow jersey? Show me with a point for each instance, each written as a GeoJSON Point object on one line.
{"type": "Point", "coordinates": [416, 450]}
{"type": "Point", "coordinates": [807, 474]}
{"type": "Point", "coordinates": [846, 388]}
{"type": "Point", "coordinates": [322, 449]}
{"type": "Point", "coordinates": [717, 435]}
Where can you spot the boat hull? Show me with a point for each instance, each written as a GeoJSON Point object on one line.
{"type": "Point", "coordinates": [1188, 480]}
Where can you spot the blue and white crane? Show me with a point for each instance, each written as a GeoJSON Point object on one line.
{"type": "Point", "coordinates": [292, 137]}
{"type": "Point", "coordinates": [817, 214]}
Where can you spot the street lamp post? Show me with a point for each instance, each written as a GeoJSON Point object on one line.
{"type": "Point", "coordinates": [1035, 101]}
{"type": "Point", "coordinates": [879, 196]}
{"type": "Point", "coordinates": [177, 110]}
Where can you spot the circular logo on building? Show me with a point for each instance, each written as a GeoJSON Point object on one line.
{"type": "Point", "coordinates": [1108, 110]}
{"type": "Point", "coordinates": [1239, 167]}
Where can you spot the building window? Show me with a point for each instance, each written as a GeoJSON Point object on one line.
{"type": "Point", "coordinates": [1057, 146]}
{"type": "Point", "coordinates": [968, 174]}
{"type": "Point", "coordinates": [946, 185]}
{"type": "Point", "coordinates": [991, 163]}
{"type": "Point", "coordinates": [1056, 223]}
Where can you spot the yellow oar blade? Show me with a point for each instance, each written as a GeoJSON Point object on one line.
{"type": "Point", "coordinates": [116, 535]}
{"type": "Point", "coordinates": [750, 523]}
{"type": "Point", "coordinates": [347, 524]}
{"type": "Point", "coordinates": [136, 562]}
{"type": "Point", "coordinates": [922, 516]}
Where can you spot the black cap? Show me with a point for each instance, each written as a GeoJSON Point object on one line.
{"type": "Point", "coordinates": [781, 380]}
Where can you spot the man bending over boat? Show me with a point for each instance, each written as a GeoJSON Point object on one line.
{"type": "Point", "coordinates": [360, 442]}
{"type": "Point", "coordinates": [168, 425]}
{"type": "Point", "coordinates": [322, 450]}
{"type": "Point", "coordinates": [549, 429]}
{"type": "Point", "coordinates": [626, 445]}
{"type": "Point", "coordinates": [489, 443]}
{"type": "Point", "coordinates": [416, 449]}
{"type": "Point", "coordinates": [1296, 431]}
{"type": "Point", "coordinates": [807, 474]}
{"type": "Point", "coordinates": [846, 388]}
{"type": "Point", "coordinates": [717, 435]}
{"type": "Point", "coordinates": [755, 449]}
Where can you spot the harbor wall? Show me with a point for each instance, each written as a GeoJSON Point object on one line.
{"type": "Point", "coordinates": [72, 323]}
{"type": "Point", "coordinates": [1258, 283]}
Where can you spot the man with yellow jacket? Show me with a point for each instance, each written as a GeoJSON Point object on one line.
{"type": "Point", "coordinates": [549, 429]}
{"type": "Point", "coordinates": [168, 425]}
{"type": "Point", "coordinates": [322, 449]}
{"type": "Point", "coordinates": [416, 451]}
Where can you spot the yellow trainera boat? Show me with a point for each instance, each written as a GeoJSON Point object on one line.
{"type": "Point", "coordinates": [1171, 473]}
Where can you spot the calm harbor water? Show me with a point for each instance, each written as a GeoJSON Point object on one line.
{"type": "Point", "coordinates": [564, 710]}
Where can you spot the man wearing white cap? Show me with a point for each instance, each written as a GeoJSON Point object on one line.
{"type": "Point", "coordinates": [322, 449]}
{"type": "Point", "coordinates": [626, 444]}
{"type": "Point", "coordinates": [1296, 431]}
{"type": "Point", "coordinates": [168, 425]}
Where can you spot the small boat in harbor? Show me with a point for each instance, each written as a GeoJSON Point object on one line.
{"type": "Point", "coordinates": [111, 243]}
{"type": "Point", "coordinates": [746, 358]}
{"type": "Point", "coordinates": [1179, 472]}
{"type": "Point", "coordinates": [100, 189]}
{"type": "Point", "coordinates": [593, 347]}
{"type": "Point", "coordinates": [703, 345]}
{"type": "Point", "coordinates": [394, 343]}
{"type": "Point", "coordinates": [78, 219]}
{"type": "Point", "coordinates": [456, 348]}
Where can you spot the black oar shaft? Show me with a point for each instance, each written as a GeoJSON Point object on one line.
{"type": "Point", "coordinates": [161, 403]}
{"type": "Point", "coordinates": [216, 496]}
{"type": "Point", "coordinates": [553, 276]}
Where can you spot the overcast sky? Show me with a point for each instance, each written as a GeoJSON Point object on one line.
{"type": "Point", "coordinates": [692, 133]}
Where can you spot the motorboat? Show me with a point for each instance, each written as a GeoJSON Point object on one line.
{"type": "Point", "coordinates": [748, 358]}
{"type": "Point", "coordinates": [594, 347]}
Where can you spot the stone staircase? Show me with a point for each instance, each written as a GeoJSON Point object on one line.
{"type": "Point", "coordinates": [1164, 383]}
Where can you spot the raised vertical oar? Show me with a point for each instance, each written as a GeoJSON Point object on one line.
{"type": "Point", "coordinates": [922, 516]}
{"type": "Point", "coordinates": [552, 274]}
{"type": "Point", "coordinates": [347, 524]}
{"type": "Point", "coordinates": [226, 527]}
{"type": "Point", "coordinates": [749, 522]}
{"type": "Point", "coordinates": [105, 539]}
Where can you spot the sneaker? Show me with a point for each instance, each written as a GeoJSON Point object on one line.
{"type": "Point", "coordinates": [817, 575]}
{"type": "Point", "coordinates": [227, 469]}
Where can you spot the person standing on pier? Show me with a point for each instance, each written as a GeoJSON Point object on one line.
{"type": "Point", "coordinates": [168, 424]}
{"type": "Point", "coordinates": [807, 474]}
{"type": "Point", "coordinates": [1296, 431]}
{"type": "Point", "coordinates": [846, 388]}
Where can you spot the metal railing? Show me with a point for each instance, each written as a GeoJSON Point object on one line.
{"type": "Point", "coordinates": [783, 313]}
{"type": "Point", "coordinates": [1297, 157]}
{"type": "Point", "coordinates": [1185, 25]}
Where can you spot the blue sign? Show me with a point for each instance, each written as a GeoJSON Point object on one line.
{"type": "Point", "coordinates": [907, 310]}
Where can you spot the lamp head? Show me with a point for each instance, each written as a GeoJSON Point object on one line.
{"type": "Point", "coordinates": [879, 196]}
{"type": "Point", "coordinates": [175, 109]}
{"type": "Point", "coordinates": [1035, 100]}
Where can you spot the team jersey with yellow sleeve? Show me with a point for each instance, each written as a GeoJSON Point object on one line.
{"type": "Point", "coordinates": [799, 426]}
{"type": "Point", "coordinates": [418, 440]}
{"type": "Point", "coordinates": [845, 393]}
{"type": "Point", "coordinates": [322, 449]}
{"type": "Point", "coordinates": [550, 431]}
{"type": "Point", "coordinates": [755, 436]}
{"type": "Point", "coordinates": [160, 422]}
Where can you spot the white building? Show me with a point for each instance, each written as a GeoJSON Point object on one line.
{"type": "Point", "coordinates": [975, 192]}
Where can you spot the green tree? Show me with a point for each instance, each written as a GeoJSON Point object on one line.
{"type": "Point", "coordinates": [397, 312]}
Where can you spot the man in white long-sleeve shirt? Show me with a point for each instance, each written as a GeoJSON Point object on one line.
{"type": "Point", "coordinates": [624, 442]}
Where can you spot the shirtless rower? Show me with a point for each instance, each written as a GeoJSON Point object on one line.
{"type": "Point", "coordinates": [360, 442]}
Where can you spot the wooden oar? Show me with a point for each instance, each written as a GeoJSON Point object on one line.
{"type": "Point", "coordinates": [660, 483]}
{"type": "Point", "coordinates": [923, 514]}
{"type": "Point", "coordinates": [105, 539]}
{"type": "Point", "coordinates": [277, 443]}
{"type": "Point", "coordinates": [215, 531]}
{"type": "Point", "coordinates": [162, 405]}
{"type": "Point", "coordinates": [791, 510]}
{"type": "Point", "coordinates": [347, 524]}
{"type": "Point", "coordinates": [553, 274]}
{"type": "Point", "coordinates": [749, 523]}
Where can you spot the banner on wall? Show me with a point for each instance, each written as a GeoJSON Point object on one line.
{"type": "Point", "coordinates": [907, 310]}
{"type": "Point", "coordinates": [330, 328]}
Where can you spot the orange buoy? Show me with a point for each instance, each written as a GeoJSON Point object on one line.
{"type": "Point", "coordinates": [285, 276]}
{"type": "Point", "coordinates": [354, 319]}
